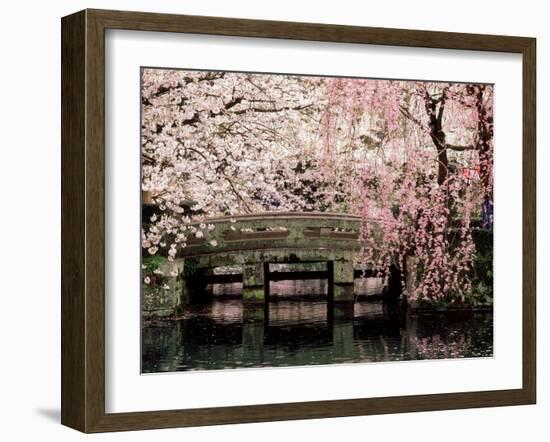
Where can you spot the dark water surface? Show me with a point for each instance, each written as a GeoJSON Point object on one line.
{"type": "Point", "coordinates": [218, 335]}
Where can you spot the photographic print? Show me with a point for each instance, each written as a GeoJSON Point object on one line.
{"type": "Point", "coordinates": [298, 220]}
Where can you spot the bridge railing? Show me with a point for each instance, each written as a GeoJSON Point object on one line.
{"type": "Point", "coordinates": [275, 230]}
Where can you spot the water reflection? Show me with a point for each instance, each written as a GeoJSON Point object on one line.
{"type": "Point", "coordinates": [222, 335]}
{"type": "Point", "coordinates": [293, 289]}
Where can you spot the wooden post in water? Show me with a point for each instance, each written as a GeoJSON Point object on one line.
{"type": "Point", "coordinates": [254, 299]}
{"type": "Point", "coordinates": [253, 283]}
{"type": "Point", "coordinates": [330, 293]}
{"type": "Point", "coordinates": [343, 288]}
{"type": "Point", "coordinates": [267, 291]}
{"type": "Point", "coordinates": [343, 281]}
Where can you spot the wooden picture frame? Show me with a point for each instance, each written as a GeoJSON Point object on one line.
{"type": "Point", "coordinates": [83, 217]}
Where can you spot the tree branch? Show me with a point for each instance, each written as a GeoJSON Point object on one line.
{"type": "Point", "coordinates": [266, 110]}
{"type": "Point", "coordinates": [405, 112]}
{"type": "Point", "coordinates": [459, 148]}
{"type": "Point", "coordinates": [237, 194]}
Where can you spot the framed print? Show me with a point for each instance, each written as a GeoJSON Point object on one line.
{"type": "Point", "coordinates": [267, 221]}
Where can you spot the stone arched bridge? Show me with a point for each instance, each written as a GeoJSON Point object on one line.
{"type": "Point", "coordinates": [253, 242]}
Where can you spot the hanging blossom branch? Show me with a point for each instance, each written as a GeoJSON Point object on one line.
{"type": "Point", "coordinates": [423, 214]}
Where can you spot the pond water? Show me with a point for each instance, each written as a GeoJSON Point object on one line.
{"type": "Point", "coordinates": [220, 335]}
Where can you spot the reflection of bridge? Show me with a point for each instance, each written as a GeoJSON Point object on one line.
{"type": "Point", "coordinates": [244, 343]}
{"type": "Point", "coordinates": [254, 243]}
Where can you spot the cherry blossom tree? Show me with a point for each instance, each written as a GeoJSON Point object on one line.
{"type": "Point", "coordinates": [422, 202]}
{"type": "Point", "coordinates": [216, 143]}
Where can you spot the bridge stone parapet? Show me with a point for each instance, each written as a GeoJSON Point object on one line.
{"type": "Point", "coordinates": [308, 231]}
